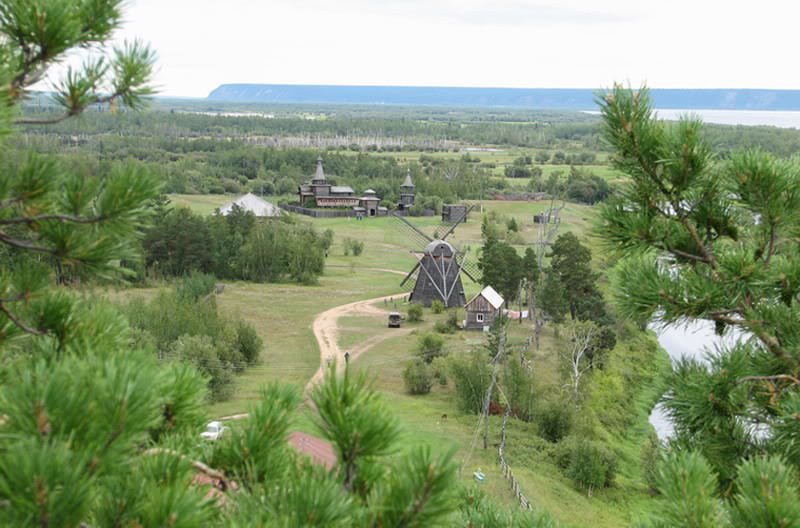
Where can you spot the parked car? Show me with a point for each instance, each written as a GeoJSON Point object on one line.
{"type": "Point", "coordinates": [214, 431]}
{"type": "Point", "coordinates": [395, 320]}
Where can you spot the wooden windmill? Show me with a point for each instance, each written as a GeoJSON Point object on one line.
{"type": "Point", "coordinates": [439, 267]}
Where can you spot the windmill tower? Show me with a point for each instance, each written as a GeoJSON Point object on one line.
{"type": "Point", "coordinates": [438, 269]}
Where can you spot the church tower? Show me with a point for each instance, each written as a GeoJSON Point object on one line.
{"type": "Point", "coordinates": [406, 193]}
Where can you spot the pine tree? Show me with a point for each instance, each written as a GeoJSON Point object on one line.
{"type": "Point", "coordinates": [711, 240]}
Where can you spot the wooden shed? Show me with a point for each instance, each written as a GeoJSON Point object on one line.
{"type": "Point", "coordinates": [483, 309]}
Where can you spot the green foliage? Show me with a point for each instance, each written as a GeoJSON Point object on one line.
{"type": "Point", "coordinates": [182, 329]}
{"type": "Point", "coordinates": [652, 453]}
{"type": "Point", "coordinates": [589, 464]}
{"type": "Point", "coordinates": [471, 377]}
{"type": "Point", "coordinates": [554, 304]}
{"type": "Point", "coordinates": [554, 419]}
{"type": "Point", "coordinates": [726, 229]}
{"type": "Point", "coordinates": [443, 327]}
{"type": "Point", "coordinates": [195, 287]}
{"type": "Point", "coordinates": [178, 243]}
{"type": "Point", "coordinates": [689, 488]}
{"type": "Point", "coordinates": [248, 343]}
{"type": "Point", "coordinates": [276, 251]}
{"type": "Point", "coordinates": [453, 321]}
{"type": "Point", "coordinates": [417, 377]}
{"type": "Point", "coordinates": [352, 246]}
{"type": "Point", "coordinates": [414, 313]}
{"type": "Point", "coordinates": [437, 306]}
{"type": "Point", "coordinates": [512, 225]}
{"type": "Point", "coordinates": [496, 338]}
{"type": "Point", "coordinates": [478, 511]}
{"type": "Point", "coordinates": [450, 325]}
{"type": "Point", "coordinates": [430, 346]}
{"type": "Point", "coordinates": [439, 369]}
{"type": "Point", "coordinates": [501, 268]}
{"type": "Point", "coordinates": [520, 390]}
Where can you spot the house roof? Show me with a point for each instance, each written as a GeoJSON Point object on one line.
{"type": "Point", "coordinates": [341, 189]}
{"type": "Point", "coordinates": [251, 202]}
{"type": "Point", "coordinates": [320, 451]}
{"type": "Point", "coordinates": [491, 296]}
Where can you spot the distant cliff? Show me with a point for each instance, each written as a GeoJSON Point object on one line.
{"type": "Point", "coordinates": [578, 99]}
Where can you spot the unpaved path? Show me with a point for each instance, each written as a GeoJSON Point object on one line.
{"type": "Point", "coordinates": [326, 330]}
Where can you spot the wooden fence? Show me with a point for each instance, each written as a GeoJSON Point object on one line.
{"type": "Point", "coordinates": [504, 467]}
{"type": "Point", "coordinates": [520, 197]}
{"type": "Point", "coordinates": [316, 213]}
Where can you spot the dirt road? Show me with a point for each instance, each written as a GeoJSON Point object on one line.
{"type": "Point", "coordinates": [326, 330]}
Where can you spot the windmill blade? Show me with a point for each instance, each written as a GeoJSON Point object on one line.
{"type": "Point", "coordinates": [419, 239]}
{"type": "Point", "coordinates": [460, 219]}
{"type": "Point", "coordinates": [470, 269]}
{"type": "Point", "coordinates": [410, 273]}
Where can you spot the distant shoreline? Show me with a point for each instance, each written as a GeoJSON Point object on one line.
{"type": "Point", "coordinates": [776, 118]}
{"type": "Point", "coordinates": [550, 98]}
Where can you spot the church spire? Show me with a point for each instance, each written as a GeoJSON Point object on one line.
{"type": "Point", "coordinates": [408, 179]}
{"type": "Point", "coordinates": [320, 174]}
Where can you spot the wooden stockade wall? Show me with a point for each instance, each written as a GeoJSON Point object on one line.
{"type": "Point", "coordinates": [316, 213]}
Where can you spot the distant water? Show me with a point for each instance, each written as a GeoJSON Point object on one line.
{"type": "Point", "coordinates": [777, 118]}
{"type": "Point", "coordinates": [691, 341]}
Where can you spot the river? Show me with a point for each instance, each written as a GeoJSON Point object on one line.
{"type": "Point", "coordinates": [691, 341]}
{"type": "Point", "coordinates": [778, 118]}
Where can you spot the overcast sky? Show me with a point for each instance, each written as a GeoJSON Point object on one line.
{"type": "Point", "coordinates": [500, 43]}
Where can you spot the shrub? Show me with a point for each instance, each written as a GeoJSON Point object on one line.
{"type": "Point", "coordinates": [417, 377]}
{"type": "Point", "coordinates": [554, 419]}
{"type": "Point", "coordinates": [430, 346]}
{"type": "Point", "coordinates": [195, 286]}
{"type": "Point", "coordinates": [351, 245]}
{"type": "Point", "coordinates": [248, 343]}
{"type": "Point", "coordinates": [441, 327]}
{"type": "Point", "coordinates": [471, 377]}
{"type": "Point", "coordinates": [651, 458]}
{"type": "Point", "coordinates": [203, 353]}
{"type": "Point", "coordinates": [439, 368]}
{"type": "Point", "coordinates": [415, 313]}
{"type": "Point", "coordinates": [437, 306]}
{"type": "Point", "coordinates": [452, 320]}
{"type": "Point", "coordinates": [591, 465]}
{"type": "Point", "coordinates": [519, 388]}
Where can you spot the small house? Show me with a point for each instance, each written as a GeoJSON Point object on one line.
{"type": "Point", "coordinates": [483, 309]}
{"type": "Point", "coordinates": [454, 213]}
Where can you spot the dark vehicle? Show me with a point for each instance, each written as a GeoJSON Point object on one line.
{"type": "Point", "coordinates": [395, 320]}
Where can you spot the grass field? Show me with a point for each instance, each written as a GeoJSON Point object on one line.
{"type": "Point", "coordinates": [283, 314]}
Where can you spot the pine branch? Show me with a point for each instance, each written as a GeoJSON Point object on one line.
{"type": "Point", "coordinates": [21, 244]}
{"type": "Point", "coordinates": [777, 377]}
{"type": "Point", "coordinates": [62, 217]}
{"type": "Point", "coordinates": [14, 319]}
{"type": "Point", "coordinates": [71, 113]}
{"type": "Point", "coordinates": [225, 484]}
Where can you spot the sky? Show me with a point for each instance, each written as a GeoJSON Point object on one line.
{"type": "Point", "coordinates": [498, 43]}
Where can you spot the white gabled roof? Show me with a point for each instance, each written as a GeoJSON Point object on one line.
{"type": "Point", "coordinates": [251, 202]}
{"type": "Point", "coordinates": [491, 296]}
